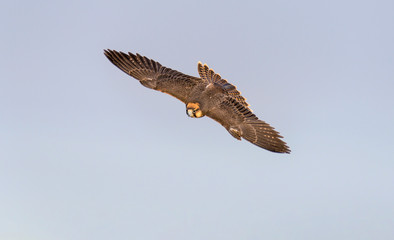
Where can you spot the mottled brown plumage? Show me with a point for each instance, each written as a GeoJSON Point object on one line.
{"type": "Point", "coordinates": [208, 95]}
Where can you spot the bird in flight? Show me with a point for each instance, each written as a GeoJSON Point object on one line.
{"type": "Point", "coordinates": [208, 95]}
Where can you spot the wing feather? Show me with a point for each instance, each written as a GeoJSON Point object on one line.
{"type": "Point", "coordinates": [152, 74]}
{"type": "Point", "coordinates": [241, 122]}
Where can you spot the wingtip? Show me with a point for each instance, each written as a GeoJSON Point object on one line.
{"type": "Point", "coordinates": [286, 149]}
{"type": "Point", "coordinates": [108, 52]}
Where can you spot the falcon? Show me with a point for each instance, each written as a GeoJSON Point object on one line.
{"type": "Point", "coordinates": [208, 95]}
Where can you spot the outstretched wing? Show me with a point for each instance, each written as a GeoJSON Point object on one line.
{"type": "Point", "coordinates": [153, 75]}
{"type": "Point", "coordinates": [208, 75]}
{"type": "Point", "coordinates": [240, 122]}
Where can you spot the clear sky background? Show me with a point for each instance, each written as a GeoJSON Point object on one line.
{"type": "Point", "coordinates": [86, 152]}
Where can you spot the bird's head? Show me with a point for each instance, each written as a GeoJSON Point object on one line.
{"type": "Point", "coordinates": [193, 110]}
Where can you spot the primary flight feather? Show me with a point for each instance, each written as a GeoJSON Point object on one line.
{"type": "Point", "coordinates": [208, 95]}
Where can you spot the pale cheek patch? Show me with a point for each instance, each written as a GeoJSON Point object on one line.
{"type": "Point", "coordinates": [190, 113]}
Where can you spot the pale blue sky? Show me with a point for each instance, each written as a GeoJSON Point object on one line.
{"type": "Point", "coordinates": [88, 153]}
